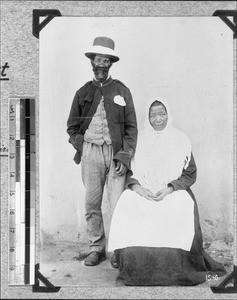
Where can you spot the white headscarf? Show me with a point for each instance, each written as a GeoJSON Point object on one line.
{"type": "Point", "coordinates": [161, 155]}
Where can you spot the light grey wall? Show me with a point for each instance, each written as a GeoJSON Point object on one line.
{"type": "Point", "coordinates": [188, 61]}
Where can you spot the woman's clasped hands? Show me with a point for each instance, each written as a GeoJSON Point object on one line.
{"type": "Point", "coordinates": [146, 193]}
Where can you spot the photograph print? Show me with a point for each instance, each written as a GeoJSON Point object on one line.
{"type": "Point", "coordinates": [136, 151]}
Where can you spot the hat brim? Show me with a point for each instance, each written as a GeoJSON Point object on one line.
{"type": "Point", "coordinates": [91, 55]}
{"type": "Point", "coordinates": [104, 51]}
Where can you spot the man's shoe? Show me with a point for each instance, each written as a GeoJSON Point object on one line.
{"type": "Point", "coordinates": [94, 258]}
{"type": "Point", "coordinates": [113, 261]}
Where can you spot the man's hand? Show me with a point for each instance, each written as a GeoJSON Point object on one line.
{"type": "Point", "coordinates": [143, 192]}
{"type": "Point", "coordinates": [74, 141]}
{"type": "Point", "coordinates": [120, 168]}
{"type": "Point", "coordinates": [160, 195]}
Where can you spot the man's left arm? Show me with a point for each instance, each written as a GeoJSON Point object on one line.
{"type": "Point", "coordinates": [130, 132]}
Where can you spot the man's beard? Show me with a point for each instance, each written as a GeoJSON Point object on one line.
{"type": "Point", "coordinates": [101, 73]}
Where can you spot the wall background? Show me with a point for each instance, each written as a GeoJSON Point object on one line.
{"type": "Point", "coordinates": [21, 50]}
{"type": "Point", "coordinates": [188, 61]}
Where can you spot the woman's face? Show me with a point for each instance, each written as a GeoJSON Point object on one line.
{"type": "Point", "coordinates": [158, 117]}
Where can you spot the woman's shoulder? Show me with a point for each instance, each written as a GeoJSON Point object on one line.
{"type": "Point", "coordinates": [181, 135]}
{"type": "Point", "coordinates": [180, 132]}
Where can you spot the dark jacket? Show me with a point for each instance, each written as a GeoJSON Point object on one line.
{"type": "Point", "coordinates": [122, 121]}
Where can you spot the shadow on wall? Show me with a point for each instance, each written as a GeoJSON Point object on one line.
{"type": "Point", "coordinates": [217, 232]}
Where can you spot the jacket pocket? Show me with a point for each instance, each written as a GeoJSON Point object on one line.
{"type": "Point", "coordinates": [117, 112]}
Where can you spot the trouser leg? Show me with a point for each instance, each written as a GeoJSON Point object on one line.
{"type": "Point", "coordinates": [93, 177]}
{"type": "Point", "coordinates": [115, 184]}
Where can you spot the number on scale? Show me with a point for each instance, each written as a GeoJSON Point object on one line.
{"type": "Point", "coordinates": [12, 109]}
{"type": "Point", "coordinates": [12, 249]}
{"type": "Point", "coordinates": [12, 175]}
{"type": "Point", "coordinates": [12, 137]}
{"type": "Point", "coordinates": [12, 268]}
{"type": "Point", "coordinates": [12, 230]}
{"type": "Point", "coordinates": [12, 193]}
{"type": "Point", "coordinates": [12, 212]}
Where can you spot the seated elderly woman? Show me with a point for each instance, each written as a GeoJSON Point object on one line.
{"type": "Point", "coordinates": [155, 231]}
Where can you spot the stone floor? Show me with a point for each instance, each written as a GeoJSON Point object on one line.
{"type": "Point", "coordinates": [62, 263]}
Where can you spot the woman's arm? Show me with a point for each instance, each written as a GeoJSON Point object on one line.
{"type": "Point", "coordinates": [187, 178]}
{"type": "Point", "coordinates": [134, 185]}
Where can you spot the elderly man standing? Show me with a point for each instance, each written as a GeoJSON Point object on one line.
{"type": "Point", "coordinates": [103, 129]}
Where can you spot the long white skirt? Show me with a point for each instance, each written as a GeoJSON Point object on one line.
{"type": "Point", "coordinates": [139, 222]}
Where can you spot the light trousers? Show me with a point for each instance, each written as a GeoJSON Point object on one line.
{"type": "Point", "coordinates": [98, 170]}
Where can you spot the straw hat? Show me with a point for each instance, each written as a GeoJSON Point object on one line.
{"type": "Point", "coordinates": [103, 45]}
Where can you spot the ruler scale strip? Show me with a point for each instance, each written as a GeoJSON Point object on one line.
{"type": "Point", "coordinates": [12, 191]}
{"type": "Point", "coordinates": [27, 194]}
{"type": "Point", "coordinates": [29, 245]}
{"type": "Point", "coordinates": [19, 246]}
{"type": "Point", "coordinates": [22, 185]}
{"type": "Point", "coordinates": [33, 191]}
{"type": "Point", "coordinates": [22, 174]}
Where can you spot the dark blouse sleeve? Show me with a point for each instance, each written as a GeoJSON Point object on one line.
{"type": "Point", "coordinates": [187, 178]}
{"type": "Point", "coordinates": [130, 180]}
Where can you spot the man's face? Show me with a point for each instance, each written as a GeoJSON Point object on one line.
{"type": "Point", "coordinates": [101, 65]}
